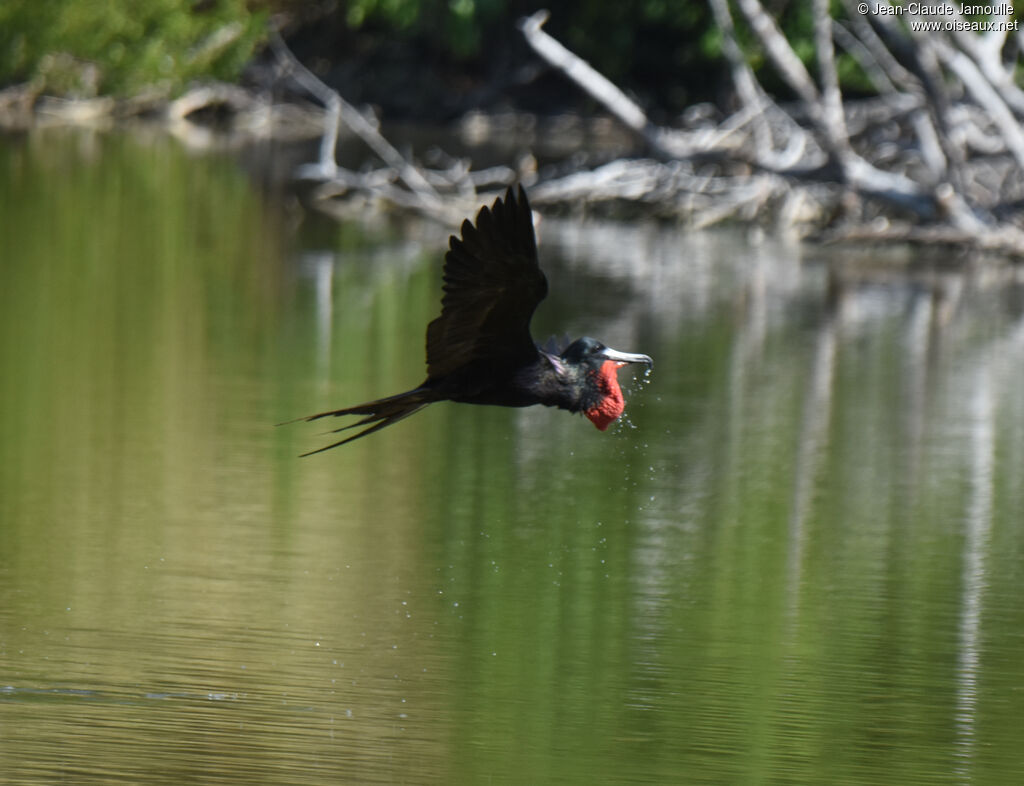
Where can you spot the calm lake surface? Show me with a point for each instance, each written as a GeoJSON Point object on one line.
{"type": "Point", "coordinates": [799, 561]}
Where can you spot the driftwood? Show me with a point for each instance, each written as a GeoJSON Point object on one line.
{"type": "Point", "coordinates": [937, 157]}
{"type": "Point", "coordinates": [618, 103]}
{"type": "Point", "coordinates": [829, 155]}
{"type": "Point", "coordinates": [338, 111]}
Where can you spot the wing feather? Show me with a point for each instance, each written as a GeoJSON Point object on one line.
{"type": "Point", "coordinates": [492, 285]}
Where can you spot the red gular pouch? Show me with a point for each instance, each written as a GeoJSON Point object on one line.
{"type": "Point", "coordinates": [612, 404]}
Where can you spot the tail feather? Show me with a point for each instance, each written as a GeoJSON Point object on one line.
{"type": "Point", "coordinates": [379, 414]}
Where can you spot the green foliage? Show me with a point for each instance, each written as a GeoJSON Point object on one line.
{"type": "Point", "coordinates": [460, 27]}
{"type": "Point", "coordinates": [667, 52]}
{"type": "Point", "coordinates": [121, 46]}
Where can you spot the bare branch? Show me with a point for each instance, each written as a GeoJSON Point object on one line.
{"type": "Point", "coordinates": [594, 83]}
{"type": "Point", "coordinates": [780, 52]}
{"type": "Point", "coordinates": [747, 88]}
{"type": "Point", "coordinates": [987, 98]}
{"type": "Point", "coordinates": [338, 108]}
{"type": "Point", "coordinates": [832, 98]}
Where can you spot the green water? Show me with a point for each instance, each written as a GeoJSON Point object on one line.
{"type": "Point", "coordinates": [799, 561]}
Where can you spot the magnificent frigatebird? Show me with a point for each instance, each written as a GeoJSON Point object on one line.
{"type": "Point", "coordinates": [479, 351]}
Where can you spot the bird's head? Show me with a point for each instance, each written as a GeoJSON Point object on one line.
{"type": "Point", "coordinates": [596, 368]}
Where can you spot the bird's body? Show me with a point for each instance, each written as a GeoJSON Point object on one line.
{"type": "Point", "coordinates": [479, 351]}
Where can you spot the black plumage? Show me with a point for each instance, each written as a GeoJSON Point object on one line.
{"type": "Point", "coordinates": [480, 351]}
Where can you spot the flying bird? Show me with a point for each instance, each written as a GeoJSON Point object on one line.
{"type": "Point", "coordinates": [479, 351]}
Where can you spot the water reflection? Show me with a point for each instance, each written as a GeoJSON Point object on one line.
{"type": "Point", "coordinates": [800, 562]}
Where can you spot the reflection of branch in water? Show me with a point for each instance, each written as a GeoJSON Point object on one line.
{"type": "Point", "coordinates": [747, 353]}
{"type": "Point", "coordinates": [813, 446]}
{"type": "Point", "coordinates": [978, 524]}
{"type": "Point", "coordinates": [321, 266]}
{"type": "Point", "coordinates": [986, 383]}
{"type": "Point", "coordinates": [916, 346]}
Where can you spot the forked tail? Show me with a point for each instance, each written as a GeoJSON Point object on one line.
{"type": "Point", "coordinates": [379, 414]}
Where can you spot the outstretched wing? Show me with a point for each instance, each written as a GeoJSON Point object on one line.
{"type": "Point", "coordinates": [492, 284]}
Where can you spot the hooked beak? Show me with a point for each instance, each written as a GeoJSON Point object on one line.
{"type": "Point", "coordinates": [622, 358]}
